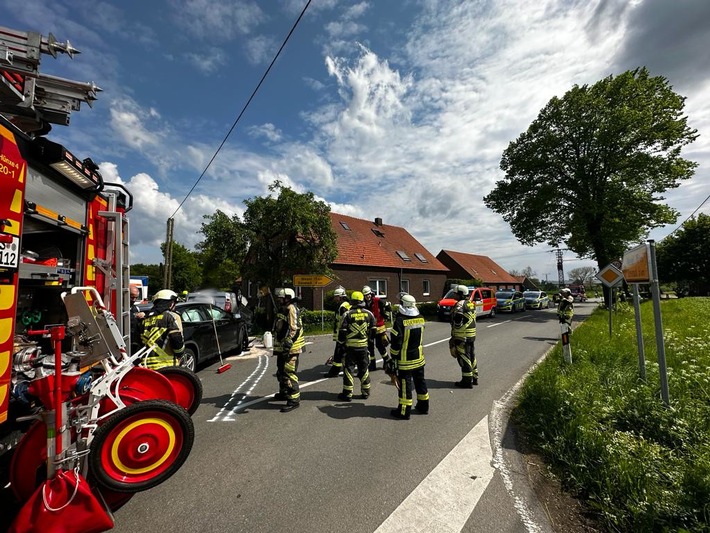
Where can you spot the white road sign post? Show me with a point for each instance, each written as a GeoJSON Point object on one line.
{"type": "Point", "coordinates": [610, 276]}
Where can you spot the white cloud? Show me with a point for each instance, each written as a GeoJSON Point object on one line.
{"type": "Point", "coordinates": [215, 20]}
{"type": "Point", "coordinates": [209, 61]}
{"type": "Point", "coordinates": [132, 124]}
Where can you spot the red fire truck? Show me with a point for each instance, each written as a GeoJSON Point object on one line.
{"type": "Point", "coordinates": [76, 409]}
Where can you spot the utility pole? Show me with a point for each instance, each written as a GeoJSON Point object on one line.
{"type": "Point", "coordinates": [560, 270]}
{"type": "Point", "coordinates": [168, 272]}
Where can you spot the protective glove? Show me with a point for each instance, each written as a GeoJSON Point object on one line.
{"type": "Point", "coordinates": [385, 340]}
{"type": "Point", "coordinates": [390, 367]}
{"type": "Point", "coordinates": [288, 342]}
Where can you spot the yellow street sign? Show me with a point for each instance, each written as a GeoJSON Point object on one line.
{"type": "Point", "coordinates": [610, 275]}
{"type": "Point", "coordinates": [636, 264]}
{"type": "Point", "coordinates": [311, 280]}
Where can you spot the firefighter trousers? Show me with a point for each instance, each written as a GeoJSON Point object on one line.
{"type": "Point", "coordinates": [378, 341]}
{"type": "Point", "coordinates": [409, 380]}
{"type": "Point", "coordinates": [466, 358]}
{"type": "Point", "coordinates": [286, 373]}
{"type": "Point", "coordinates": [356, 360]}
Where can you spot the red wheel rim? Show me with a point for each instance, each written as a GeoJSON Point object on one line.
{"type": "Point", "coordinates": [29, 458]}
{"type": "Point", "coordinates": [147, 384]}
{"type": "Point", "coordinates": [184, 390]}
{"type": "Point", "coordinates": [142, 447]}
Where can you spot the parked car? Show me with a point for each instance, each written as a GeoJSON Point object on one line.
{"type": "Point", "coordinates": [225, 300]}
{"type": "Point", "coordinates": [483, 297]}
{"type": "Point", "coordinates": [536, 300]}
{"type": "Point", "coordinates": [510, 301]}
{"type": "Point", "coordinates": [210, 330]}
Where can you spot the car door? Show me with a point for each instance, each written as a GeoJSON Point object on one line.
{"type": "Point", "coordinates": [226, 326]}
{"type": "Point", "coordinates": [198, 329]}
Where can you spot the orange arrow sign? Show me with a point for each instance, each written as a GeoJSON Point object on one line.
{"type": "Point", "coordinates": [311, 280]}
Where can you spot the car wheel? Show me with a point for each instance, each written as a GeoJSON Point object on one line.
{"type": "Point", "coordinates": [189, 359]}
{"type": "Point", "coordinates": [493, 312]}
{"type": "Point", "coordinates": [240, 341]}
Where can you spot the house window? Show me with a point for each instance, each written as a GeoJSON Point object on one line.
{"type": "Point", "coordinates": [403, 255]}
{"type": "Point", "coordinates": [421, 257]}
{"type": "Point", "coordinates": [426, 287]}
{"type": "Point", "coordinates": [404, 286]}
{"type": "Point", "coordinates": [345, 226]}
{"type": "Point", "coordinates": [377, 232]}
{"type": "Point", "coordinates": [378, 286]}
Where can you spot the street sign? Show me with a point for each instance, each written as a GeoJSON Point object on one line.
{"type": "Point", "coordinates": [636, 265]}
{"type": "Point", "coordinates": [311, 280]}
{"type": "Point", "coordinates": [610, 275]}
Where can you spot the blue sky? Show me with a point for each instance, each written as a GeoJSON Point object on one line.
{"type": "Point", "coordinates": [398, 109]}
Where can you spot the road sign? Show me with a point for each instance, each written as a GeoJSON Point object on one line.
{"type": "Point", "coordinates": [636, 265]}
{"type": "Point", "coordinates": [311, 280]}
{"type": "Point", "coordinates": [610, 275]}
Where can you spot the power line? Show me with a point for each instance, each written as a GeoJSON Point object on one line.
{"type": "Point", "coordinates": [689, 217]}
{"type": "Point", "coordinates": [253, 94]}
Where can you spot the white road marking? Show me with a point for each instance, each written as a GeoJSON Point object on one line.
{"type": "Point", "coordinates": [499, 323]}
{"type": "Point", "coordinates": [263, 361]}
{"type": "Point", "coordinates": [445, 499]}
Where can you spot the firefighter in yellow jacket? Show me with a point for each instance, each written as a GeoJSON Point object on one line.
{"type": "Point", "coordinates": [341, 299]}
{"type": "Point", "coordinates": [463, 337]}
{"type": "Point", "coordinates": [162, 330]}
{"type": "Point", "coordinates": [288, 344]}
{"type": "Point", "coordinates": [406, 361]}
{"type": "Point", "coordinates": [357, 327]}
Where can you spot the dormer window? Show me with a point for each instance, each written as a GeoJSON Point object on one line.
{"type": "Point", "coordinates": [377, 232]}
{"type": "Point", "coordinates": [403, 255]}
{"type": "Point", "coordinates": [421, 257]}
{"type": "Point", "coordinates": [345, 226]}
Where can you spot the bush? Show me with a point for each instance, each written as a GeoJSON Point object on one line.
{"type": "Point", "coordinates": [641, 465]}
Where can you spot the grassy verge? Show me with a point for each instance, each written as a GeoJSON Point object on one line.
{"type": "Point", "coordinates": [641, 466]}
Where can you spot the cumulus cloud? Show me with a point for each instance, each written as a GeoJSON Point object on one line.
{"type": "Point", "coordinates": [214, 20]}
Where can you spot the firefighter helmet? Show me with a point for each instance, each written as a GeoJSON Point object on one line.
{"type": "Point", "coordinates": [285, 293]}
{"type": "Point", "coordinates": [357, 297]}
{"type": "Point", "coordinates": [408, 301]}
{"type": "Point", "coordinates": [339, 291]}
{"type": "Point", "coordinates": [461, 290]}
{"type": "Point", "coordinates": [366, 290]}
{"type": "Point", "coordinates": [165, 294]}
{"type": "Point", "coordinates": [565, 291]}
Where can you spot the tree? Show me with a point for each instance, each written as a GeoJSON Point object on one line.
{"type": "Point", "coordinates": [528, 272]}
{"type": "Point", "coordinates": [289, 234]}
{"type": "Point", "coordinates": [683, 257]}
{"type": "Point", "coordinates": [582, 275]}
{"type": "Point", "coordinates": [222, 251]}
{"type": "Point", "coordinates": [154, 273]}
{"type": "Point", "coordinates": [186, 272]}
{"type": "Point", "coordinates": [591, 168]}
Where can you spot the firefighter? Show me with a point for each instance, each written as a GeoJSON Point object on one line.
{"type": "Point", "coordinates": [463, 337]}
{"type": "Point", "coordinates": [380, 308]}
{"type": "Point", "coordinates": [406, 360]}
{"type": "Point", "coordinates": [162, 330]}
{"type": "Point", "coordinates": [565, 308]}
{"type": "Point", "coordinates": [357, 327]}
{"type": "Point", "coordinates": [341, 299]}
{"type": "Point", "coordinates": [288, 343]}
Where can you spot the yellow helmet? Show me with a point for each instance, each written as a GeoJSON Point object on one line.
{"type": "Point", "coordinates": [165, 294]}
{"type": "Point", "coordinates": [356, 297]}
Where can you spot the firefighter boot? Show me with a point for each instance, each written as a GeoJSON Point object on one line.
{"type": "Point", "coordinates": [333, 372]}
{"type": "Point", "coordinates": [373, 364]}
{"type": "Point", "coordinates": [401, 412]}
{"type": "Point", "coordinates": [422, 407]}
{"type": "Point", "coordinates": [344, 396]}
{"type": "Point", "coordinates": [465, 383]}
{"type": "Point", "coordinates": [290, 406]}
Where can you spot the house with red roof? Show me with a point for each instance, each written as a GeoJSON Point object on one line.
{"type": "Point", "coordinates": [387, 258]}
{"type": "Point", "coordinates": [470, 266]}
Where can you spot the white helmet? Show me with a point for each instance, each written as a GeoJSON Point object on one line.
{"type": "Point", "coordinates": [165, 294]}
{"type": "Point", "coordinates": [366, 290]}
{"type": "Point", "coordinates": [408, 300]}
{"type": "Point", "coordinates": [461, 290]}
{"type": "Point", "coordinates": [285, 293]}
{"type": "Point", "coordinates": [339, 291]}
{"type": "Point", "coordinates": [565, 291]}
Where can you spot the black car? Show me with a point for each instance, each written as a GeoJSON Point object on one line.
{"type": "Point", "coordinates": [210, 330]}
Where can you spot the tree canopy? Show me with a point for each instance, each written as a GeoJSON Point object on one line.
{"type": "Point", "coordinates": [684, 256]}
{"type": "Point", "coordinates": [287, 234]}
{"type": "Point", "coordinates": [222, 251]}
{"type": "Point", "coordinates": [590, 170]}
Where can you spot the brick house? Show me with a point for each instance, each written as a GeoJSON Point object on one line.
{"type": "Point", "coordinates": [469, 266]}
{"type": "Point", "coordinates": [387, 258]}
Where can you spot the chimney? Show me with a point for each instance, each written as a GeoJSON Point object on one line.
{"type": "Point", "coordinates": [378, 221]}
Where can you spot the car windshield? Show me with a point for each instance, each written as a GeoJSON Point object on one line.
{"type": "Point", "coordinates": [532, 294]}
{"type": "Point", "coordinates": [449, 294]}
{"type": "Point", "coordinates": [504, 295]}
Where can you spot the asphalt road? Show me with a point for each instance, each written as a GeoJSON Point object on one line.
{"type": "Point", "coordinates": [332, 466]}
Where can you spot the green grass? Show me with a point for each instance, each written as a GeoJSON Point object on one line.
{"type": "Point", "coordinates": [640, 465]}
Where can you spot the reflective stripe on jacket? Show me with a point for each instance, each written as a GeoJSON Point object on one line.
{"type": "Point", "coordinates": [406, 342]}
{"type": "Point", "coordinates": [357, 326]}
{"type": "Point", "coordinates": [338, 319]}
{"type": "Point", "coordinates": [463, 320]}
{"type": "Point", "coordinates": [163, 332]}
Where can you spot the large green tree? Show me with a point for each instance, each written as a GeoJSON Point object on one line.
{"type": "Point", "coordinates": [222, 251]}
{"type": "Point", "coordinates": [590, 170]}
{"type": "Point", "coordinates": [186, 271]}
{"type": "Point", "coordinates": [684, 256]}
{"type": "Point", "coordinates": [288, 233]}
